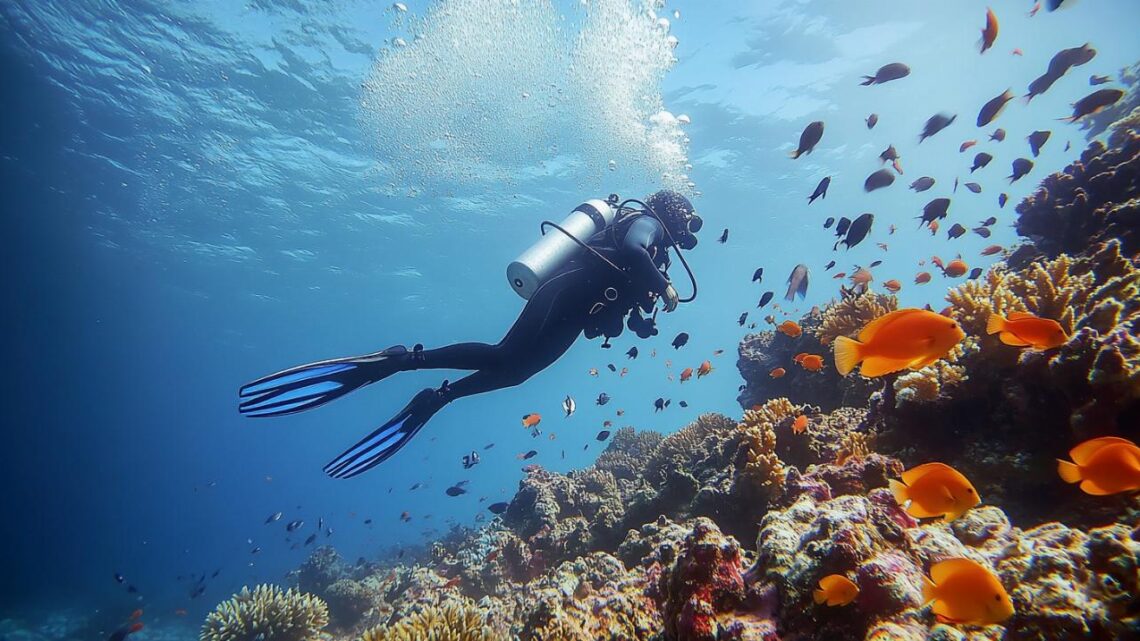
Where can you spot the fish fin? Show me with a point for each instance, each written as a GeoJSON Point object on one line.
{"type": "Point", "coordinates": [923, 361]}
{"type": "Point", "coordinates": [867, 81]}
{"type": "Point", "coordinates": [940, 572]}
{"type": "Point", "coordinates": [874, 326]}
{"type": "Point", "coordinates": [1070, 473]}
{"type": "Point", "coordinates": [879, 365]}
{"type": "Point", "coordinates": [820, 596]}
{"type": "Point", "coordinates": [1009, 338]}
{"type": "Point", "coordinates": [1090, 487]}
{"type": "Point", "coordinates": [899, 490]}
{"type": "Point", "coordinates": [929, 590]}
{"type": "Point", "coordinates": [795, 154]}
{"type": "Point", "coordinates": [848, 353]}
{"type": "Point", "coordinates": [995, 324]}
{"type": "Point", "coordinates": [1083, 452]}
{"type": "Point", "coordinates": [1020, 315]}
{"type": "Point", "coordinates": [911, 476]}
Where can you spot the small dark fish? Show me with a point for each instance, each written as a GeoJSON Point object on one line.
{"type": "Point", "coordinates": [1037, 140]}
{"type": "Point", "coordinates": [1068, 145]}
{"type": "Point", "coordinates": [658, 404]}
{"type": "Point", "coordinates": [603, 398]}
{"type": "Point", "coordinates": [797, 282]}
{"type": "Point", "coordinates": [1095, 80]}
{"type": "Point", "coordinates": [858, 230]}
{"type": "Point", "coordinates": [682, 403]}
{"type": "Point", "coordinates": [981, 159]}
{"type": "Point", "coordinates": [984, 232]}
{"type": "Point", "coordinates": [1021, 166]}
{"type": "Point", "coordinates": [957, 231]}
{"type": "Point", "coordinates": [1059, 65]}
{"type": "Point", "coordinates": [935, 124]}
{"type": "Point", "coordinates": [216, 573]}
{"type": "Point", "coordinates": [723, 236]}
{"type": "Point", "coordinates": [809, 139]}
{"type": "Point", "coordinates": [974, 187]}
{"type": "Point", "coordinates": [457, 490]}
{"type": "Point", "coordinates": [993, 108]}
{"type": "Point", "coordinates": [876, 263]}
{"type": "Point", "coordinates": [829, 265]}
{"type": "Point", "coordinates": [680, 340]}
{"type": "Point", "coordinates": [632, 353]}
{"type": "Point", "coordinates": [974, 273]}
{"type": "Point", "coordinates": [321, 520]}
{"type": "Point", "coordinates": [309, 541]}
{"type": "Point", "coordinates": [989, 221]}
{"type": "Point", "coordinates": [611, 367]}
{"type": "Point", "coordinates": [198, 591]}
{"type": "Point", "coordinates": [758, 275]}
{"type": "Point", "coordinates": [603, 435]}
{"type": "Point", "coordinates": [294, 525]}
{"type": "Point", "coordinates": [829, 222]}
{"type": "Point", "coordinates": [889, 154]}
{"type": "Point", "coordinates": [667, 401]}
{"type": "Point", "coordinates": [820, 190]}
{"type": "Point", "coordinates": [743, 319]}
{"type": "Point", "coordinates": [1094, 102]}
{"type": "Point", "coordinates": [416, 486]}
{"type": "Point", "coordinates": [368, 521]}
{"type": "Point", "coordinates": [922, 184]}
{"type": "Point", "coordinates": [119, 578]}
{"type": "Point", "coordinates": [276, 516]}
{"type": "Point", "coordinates": [872, 120]}
{"type": "Point", "coordinates": [1002, 200]}
{"type": "Point", "coordinates": [878, 180]}
{"type": "Point", "coordinates": [132, 589]}
{"type": "Point", "coordinates": [842, 225]}
{"type": "Point", "coordinates": [498, 508]}
{"type": "Point", "coordinates": [765, 299]}
{"type": "Point", "coordinates": [998, 135]}
{"type": "Point", "coordinates": [887, 73]}
{"type": "Point", "coordinates": [934, 210]}
{"type": "Point", "coordinates": [955, 190]}
{"type": "Point", "coordinates": [255, 550]}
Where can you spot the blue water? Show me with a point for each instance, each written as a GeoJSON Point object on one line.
{"type": "Point", "coordinates": [197, 194]}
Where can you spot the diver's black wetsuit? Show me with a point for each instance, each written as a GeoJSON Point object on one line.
{"type": "Point", "coordinates": [559, 311]}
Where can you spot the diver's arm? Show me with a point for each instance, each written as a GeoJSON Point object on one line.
{"type": "Point", "coordinates": [642, 235]}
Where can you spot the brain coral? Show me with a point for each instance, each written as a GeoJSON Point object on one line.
{"type": "Point", "coordinates": [267, 613]}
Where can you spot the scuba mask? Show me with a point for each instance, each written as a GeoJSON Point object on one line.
{"type": "Point", "coordinates": [687, 238]}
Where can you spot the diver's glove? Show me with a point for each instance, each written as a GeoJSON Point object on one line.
{"type": "Point", "coordinates": [671, 298]}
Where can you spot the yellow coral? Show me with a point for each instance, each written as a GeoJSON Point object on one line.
{"type": "Point", "coordinates": [850, 315]}
{"type": "Point", "coordinates": [926, 384]}
{"type": "Point", "coordinates": [757, 461]}
{"type": "Point", "coordinates": [452, 622]}
{"type": "Point", "coordinates": [267, 613]}
{"type": "Point", "coordinates": [853, 445]}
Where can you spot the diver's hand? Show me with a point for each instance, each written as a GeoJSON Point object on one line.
{"type": "Point", "coordinates": [671, 298]}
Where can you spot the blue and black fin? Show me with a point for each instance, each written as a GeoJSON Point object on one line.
{"type": "Point", "coordinates": [380, 445]}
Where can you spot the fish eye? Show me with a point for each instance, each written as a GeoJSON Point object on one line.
{"type": "Point", "coordinates": [969, 490]}
{"type": "Point", "coordinates": [997, 597]}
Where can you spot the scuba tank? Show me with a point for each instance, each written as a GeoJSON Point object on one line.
{"type": "Point", "coordinates": [550, 253]}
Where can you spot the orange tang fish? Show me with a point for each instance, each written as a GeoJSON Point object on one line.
{"type": "Point", "coordinates": [990, 32]}
{"type": "Point", "coordinates": [903, 339]}
{"type": "Point", "coordinates": [800, 425]}
{"type": "Point", "coordinates": [686, 374]}
{"type": "Point", "coordinates": [791, 328]}
{"type": "Point", "coordinates": [934, 489]}
{"type": "Point", "coordinates": [1022, 329]}
{"type": "Point", "coordinates": [704, 369]}
{"type": "Point", "coordinates": [836, 589]}
{"type": "Point", "coordinates": [531, 420]}
{"type": "Point", "coordinates": [964, 591]}
{"type": "Point", "coordinates": [812, 362]}
{"type": "Point", "coordinates": [777, 373]}
{"type": "Point", "coordinates": [1106, 465]}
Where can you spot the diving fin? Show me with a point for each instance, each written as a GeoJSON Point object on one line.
{"type": "Point", "coordinates": [308, 386]}
{"type": "Point", "coordinates": [378, 446]}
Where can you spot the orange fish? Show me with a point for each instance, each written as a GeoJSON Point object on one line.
{"type": "Point", "coordinates": [937, 262]}
{"type": "Point", "coordinates": [800, 425]}
{"type": "Point", "coordinates": [991, 250]}
{"type": "Point", "coordinates": [990, 32]}
{"type": "Point", "coordinates": [836, 589]}
{"type": "Point", "coordinates": [862, 276]}
{"type": "Point", "coordinates": [892, 286]}
{"type": "Point", "coordinates": [934, 489]}
{"type": "Point", "coordinates": [903, 339]}
{"type": "Point", "coordinates": [1106, 465]}
{"type": "Point", "coordinates": [966, 145]}
{"type": "Point", "coordinates": [791, 328]}
{"type": "Point", "coordinates": [531, 420]}
{"type": "Point", "coordinates": [922, 277]}
{"type": "Point", "coordinates": [964, 591]}
{"type": "Point", "coordinates": [1034, 10]}
{"type": "Point", "coordinates": [933, 227]}
{"type": "Point", "coordinates": [956, 268]}
{"type": "Point", "coordinates": [798, 358]}
{"type": "Point", "coordinates": [812, 362]}
{"type": "Point", "coordinates": [777, 373]}
{"type": "Point", "coordinates": [686, 374]}
{"type": "Point", "coordinates": [136, 614]}
{"type": "Point", "coordinates": [704, 369]}
{"type": "Point", "coordinates": [1023, 329]}
{"type": "Point", "coordinates": [840, 275]}
{"type": "Point", "coordinates": [1016, 52]}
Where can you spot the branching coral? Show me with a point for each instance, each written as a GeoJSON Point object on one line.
{"type": "Point", "coordinates": [756, 458]}
{"type": "Point", "coordinates": [267, 613]}
{"type": "Point", "coordinates": [851, 314]}
{"type": "Point", "coordinates": [926, 384]}
{"type": "Point", "coordinates": [451, 622]}
{"type": "Point", "coordinates": [682, 449]}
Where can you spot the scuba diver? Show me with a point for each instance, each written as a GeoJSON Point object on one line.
{"type": "Point", "coordinates": [607, 261]}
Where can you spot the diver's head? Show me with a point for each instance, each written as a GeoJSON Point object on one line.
{"type": "Point", "coordinates": [678, 215]}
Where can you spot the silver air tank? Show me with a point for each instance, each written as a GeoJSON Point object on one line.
{"type": "Point", "coordinates": [544, 258]}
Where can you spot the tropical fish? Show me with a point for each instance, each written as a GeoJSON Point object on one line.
{"type": "Point", "coordinates": [568, 406]}
{"type": "Point", "coordinates": [842, 225]}
{"type": "Point", "coordinates": [743, 319]}
{"type": "Point", "coordinates": [991, 250]}
{"type": "Point", "coordinates": [723, 236]}
{"type": "Point", "coordinates": [276, 516]}
{"type": "Point", "coordinates": [1103, 466]}
{"type": "Point", "coordinates": [963, 591]}
{"type": "Point", "coordinates": [998, 135]}
{"type": "Point", "coordinates": [974, 273]}
{"type": "Point", "coordinates": [1002, 200]}
{"type": "Point", "coordinates": [974, 187]}
{"type": "Point", "coordinates": [658, 404]}
{"type": "Point", "coordinates": [125, 631]}
{"type": "Point", "coordinates": [984, 232]}
{"type": "Point", "coordinates": [797, 282]}
{"type": "Point", "coordinates": [935, 124]}
{"type": "Point", "coordinates": [1036, 140]}
{"type": "Point", "coordinates": [892, 286]}
{"type": "Point", "coordinates": [861, 276]}
{"type": "Point", "coordinates": [876, 263]}
{"type": "Point", "coordinates": [1022, 329]}
{"type": "Point", "coordinates": [1021, 166]}
{"type": "Point", "coordinates": [922, 184]}
{"type": "Point", "coordinates": [878, 180]}
{"type": "Point", "coordinates": [603, 398]}
{"type": "Point", "coordinates": [934, 489]}
{"type": "Point", "coordinates": [829, 265]}
{"type": "Point", "coordinates": [704, 369]}
{"type": "Point", "coordinates": [611, 367]}
{"type": "Point", "coordinates": [820, 190]}
{"type": "Point", "coordinates": [956, 231]}
{"type": "Point", "coordinates": [1094, 102]}
{"type": "Point", "coordinates": [312, 537]}
{"type": "Point", "coordinates": [809, 139]}
{"type": "Point", "coordinates": [955, 268]}
{"type": "Point", "coordinates": [531, 420]}
{"type": "Point", "coordinates": [1095, 80]}
{"type": "Point", "coordinates": [934, 210]}
{"type": "Point", "coordinates": [811, 362]}
{"type": "Point", "coordinates": [993, 108]}
{"type": "Point", "coordinates": [966, 145]}
{"type": "Point", "coordinates": [680, 340]}
{"type": "Point", "coordinates": [593, 371]}
{"type": "Point", "coordinates": [603, 435]}
{"type": "Point", "coordinates": [293, 526]}
{"type": "Point", "coordinates": [934, 228]}
{"type": "Point", "coordinates": [800, 425]}
{"type": "Point", "coordinates": [872, 120]}
{"type": "Point", "coordinates": [990, 31]}
{"type": "Point", "coordinates": [632, 353]}
{"type": "Point", "coordinates": [839, 275]}
{"type": "Point", "coordinates": [498, 508]}
{"type": "Point", "coordinates": [1061, 62]}
{"type": "Point", "coordinates": [886, 73]}
{"type": "Point", "coordinates": [858, 230]}
{"type": "Point", "coordinates": [1016, 52]}
{"type": "Point", "coordinates": [758, 275]}
{"type": "Point", "coordinates": [686, 374]}
{"type": "Point", "coordinates": [906, 338]}
{"type": "Point", "coordinates": [835, 589]}
{"type": "Point", "coordinates": [527, 455]}
{"type": "Point", "coordinates": [777, 372]}
{"type": "Point", "coordinates": [829, 222]}
{"type": "Point", "coordinates": [981, 159]}
{"type": "Point", "coordinates": [989, 221]}
{"type": "Point", "coordinates": [791, 328]}
{"type": "Point", "coordinates": [765, 299]}
{"type": "Point", "coordinates": [889, 154]}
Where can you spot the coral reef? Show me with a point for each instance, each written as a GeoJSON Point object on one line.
{"type": "Point", "coordinates": [447, 623]}
{"type": "Point", "coordinates": [267, 613]}
{"type": "Point", "coordinates": [851, 314]}
{"type": "Point", "coordinates": [348, 601]}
